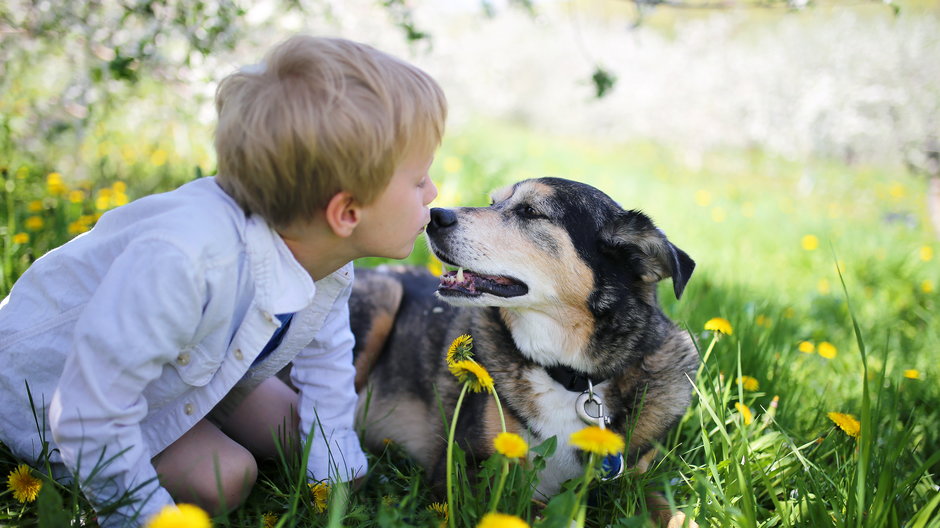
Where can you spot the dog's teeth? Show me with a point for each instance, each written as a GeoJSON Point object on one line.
{"type": "Point", "coordinates": [459, 274]}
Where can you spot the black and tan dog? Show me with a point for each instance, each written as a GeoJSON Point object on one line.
{"type": "Point", "coordinates": [557, 286]}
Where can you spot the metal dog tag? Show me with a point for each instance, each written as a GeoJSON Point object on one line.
{"type": "Point", "coordinates": [590, 410]}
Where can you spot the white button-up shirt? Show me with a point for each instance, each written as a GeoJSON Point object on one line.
{"type": "Point", "coordinates": [129, 334]}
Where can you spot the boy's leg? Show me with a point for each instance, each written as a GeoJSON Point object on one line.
{"type": "Point", "coordinates": [268, 412]}
{"type": "Point", "coordinates": [207, 468]}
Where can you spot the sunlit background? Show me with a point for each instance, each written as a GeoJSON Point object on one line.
{"type": "Point", "coordinates": [786, 146]}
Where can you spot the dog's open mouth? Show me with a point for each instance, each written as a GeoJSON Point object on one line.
{"type": "Point", "coordinates": [467, 283]}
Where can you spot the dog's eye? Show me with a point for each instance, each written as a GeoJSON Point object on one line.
{"type": "Point", "coordinates": [527, 211]}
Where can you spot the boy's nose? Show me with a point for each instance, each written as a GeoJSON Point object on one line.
{"type": "Point", "coordinates": [431, 194]}
{"type": "Point", "coordinates": [442, 218]}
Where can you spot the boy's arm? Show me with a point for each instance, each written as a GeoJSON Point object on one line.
{"type": "Point", "coordinates": [324, 374]}
{"type": "Point", "coordinates": [145, 309]}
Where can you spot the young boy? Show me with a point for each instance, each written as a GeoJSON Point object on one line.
{"type": "Point", "coordinates": [149, 344]}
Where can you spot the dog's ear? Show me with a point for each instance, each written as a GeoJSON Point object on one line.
{"type": "Point", "coordinates": [631, 234]}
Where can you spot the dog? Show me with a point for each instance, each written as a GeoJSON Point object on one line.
{"type": "Point", "coordinates": [557, 286]}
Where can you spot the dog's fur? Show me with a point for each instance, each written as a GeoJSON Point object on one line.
{"type": "Point", "coordinates": [577, 288]}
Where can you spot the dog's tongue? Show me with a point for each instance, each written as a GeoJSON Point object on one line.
{"type": "Point", "coordinates": [468, 282]}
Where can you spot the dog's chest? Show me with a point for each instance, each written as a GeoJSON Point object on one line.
{"type": "Point", "coordinates": [556, 416]}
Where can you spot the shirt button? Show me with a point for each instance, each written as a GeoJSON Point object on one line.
{"type": "Point", "coordinates": [238, 354]}
{"type": "Point", "coordinates": [269, 317]}
{"type": "Point", "coordinates": [183, 358]}
{"type": "Point", "coordinates": [188, 408]}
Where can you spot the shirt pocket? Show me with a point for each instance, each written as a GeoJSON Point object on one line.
{"type": "Point", "coordinates": [196, 365]}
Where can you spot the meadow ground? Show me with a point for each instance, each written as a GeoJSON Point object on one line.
{"type": "Point", "coordinates": [826, 274]}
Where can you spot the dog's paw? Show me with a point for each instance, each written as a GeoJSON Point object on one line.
{"type": "Point", "coordinates": [680, 520]}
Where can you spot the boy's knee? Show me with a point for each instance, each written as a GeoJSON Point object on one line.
{"type": "Point", "coordinates": [233, 476]}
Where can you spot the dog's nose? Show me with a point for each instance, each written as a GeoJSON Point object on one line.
{"type": "Point", "coordinates": [442, 218]}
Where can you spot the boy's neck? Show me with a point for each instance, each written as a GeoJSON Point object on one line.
{"type": "Point", "coordinates": [316, 248]}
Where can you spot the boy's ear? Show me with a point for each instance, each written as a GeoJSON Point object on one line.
{"type": "Point", "coordinates": [343, 214]}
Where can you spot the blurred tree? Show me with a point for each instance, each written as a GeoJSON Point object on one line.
{"type": "Point", "coordinates": [64, 66]}
{"type": "Point", "coordinates": [62, 63]}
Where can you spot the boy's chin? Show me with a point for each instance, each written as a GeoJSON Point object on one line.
{"type": "Point", "coordinates": [401, 253]}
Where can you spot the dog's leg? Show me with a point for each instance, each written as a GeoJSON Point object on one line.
{"type": "Point", "coordinates": [657, 505]}
{"type": "Point", "coordinates": [373, 306]}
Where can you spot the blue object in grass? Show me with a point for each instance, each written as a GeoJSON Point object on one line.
{"type": "Point", "coordinates": [612, 466]}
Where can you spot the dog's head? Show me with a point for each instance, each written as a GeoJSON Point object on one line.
{"type": "Point", "coordinates": [550, 240]}
{"type": "Point", "coordinates": [546, 244]}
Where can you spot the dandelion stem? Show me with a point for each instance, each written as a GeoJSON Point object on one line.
{"type": "Point", "coordinates": [451, 518]}
{"type": "Point", "coordinates": [499, 407]}
{"type": "Point", "coordinates": [494, 501]}
{"type": "Point", "coordinates": [585, 482]}
{"type": "Point", "coordinates": [582, 513]}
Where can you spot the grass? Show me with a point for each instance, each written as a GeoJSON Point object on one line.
{"type": "Point", "coordinates": [787, 252]}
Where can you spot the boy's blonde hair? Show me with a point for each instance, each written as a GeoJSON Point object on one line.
{"type": "Point", "coordinates": [320, 116]}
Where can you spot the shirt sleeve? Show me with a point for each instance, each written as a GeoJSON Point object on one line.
{"type": "Point", "coordinates": [324, 374]}
{"type": "Point", "coordinates": [145, 309]}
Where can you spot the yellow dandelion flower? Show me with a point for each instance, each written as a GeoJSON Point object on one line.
{"type": "Point", "coordinates": [34, 223]}
{"type": "Point", "coordinates": [703, 198]}
{"type": "Point", "coordinates": [809, 242]}
{"type": "Point", "coordinates": [76, 196]}
{"type": "Point", "coordinates": [118, 199]}
{"type": "Point", "coordinates": [806, 347]}
{"type": "Point", "coordinates": [439, 508]}
{"type": "Point", "coordinates": [54, 183]}
{"type": "Point", "coordinates": [469, 371]}
{"type": "Point", "coordinates": [763, 320]}
{"type": "Point", "coordinates": [119, 187]}
{"type": "Point", "coordinates": [719, 325]}
{"type": "Point", "coordinates": [823, 287]}
{"type": "Point", "coordinates": [21, 238]}
{"type": "Point", "coordinates": [749, 383]}
{"type": "Point", "coordinates": [435, 267]}
{"type": "Point", "coordinates": [897, 191]}
{"type": "Point", "coordinates": [452, 164]}
{"type": "Point", "coordinates": [23, 484]}
{"type": "Point", "coordinates": [926, 253]}
{"type": "Point", "coordinates": [460, 349]}
{"type": "Point", "coordinates": [847, 423]}
{"type": "Point", "coordinates": [270, 519]}
{"type": "Point", "coordinates": [501, 520]}
{"type": "Point", "coordinates": [912, 374]}
{"type": "Point", "coordinates": [745, 412]}
{"type": "Point", "coordinates": [827, 350]}
{"type": "Point", "coordinates": [158, 158]}
{"type": "Point", "coordinates": [599, 441]}
{"type": "Point", "coordinates": [320, 492]}
{"type": "Point", "coordinates": [510, 445]}
{"type": "Point", "coordinates": [927, 286]}
{"type": "Point", "coordinates": [34, 206]}
{"type": "Point", "coordinates": [180, 516]}
{"type": "Point", "coordinates": [77, 227]}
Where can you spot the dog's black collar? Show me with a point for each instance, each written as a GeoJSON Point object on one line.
{"type": "Point", "coordinates": [572, 379]}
